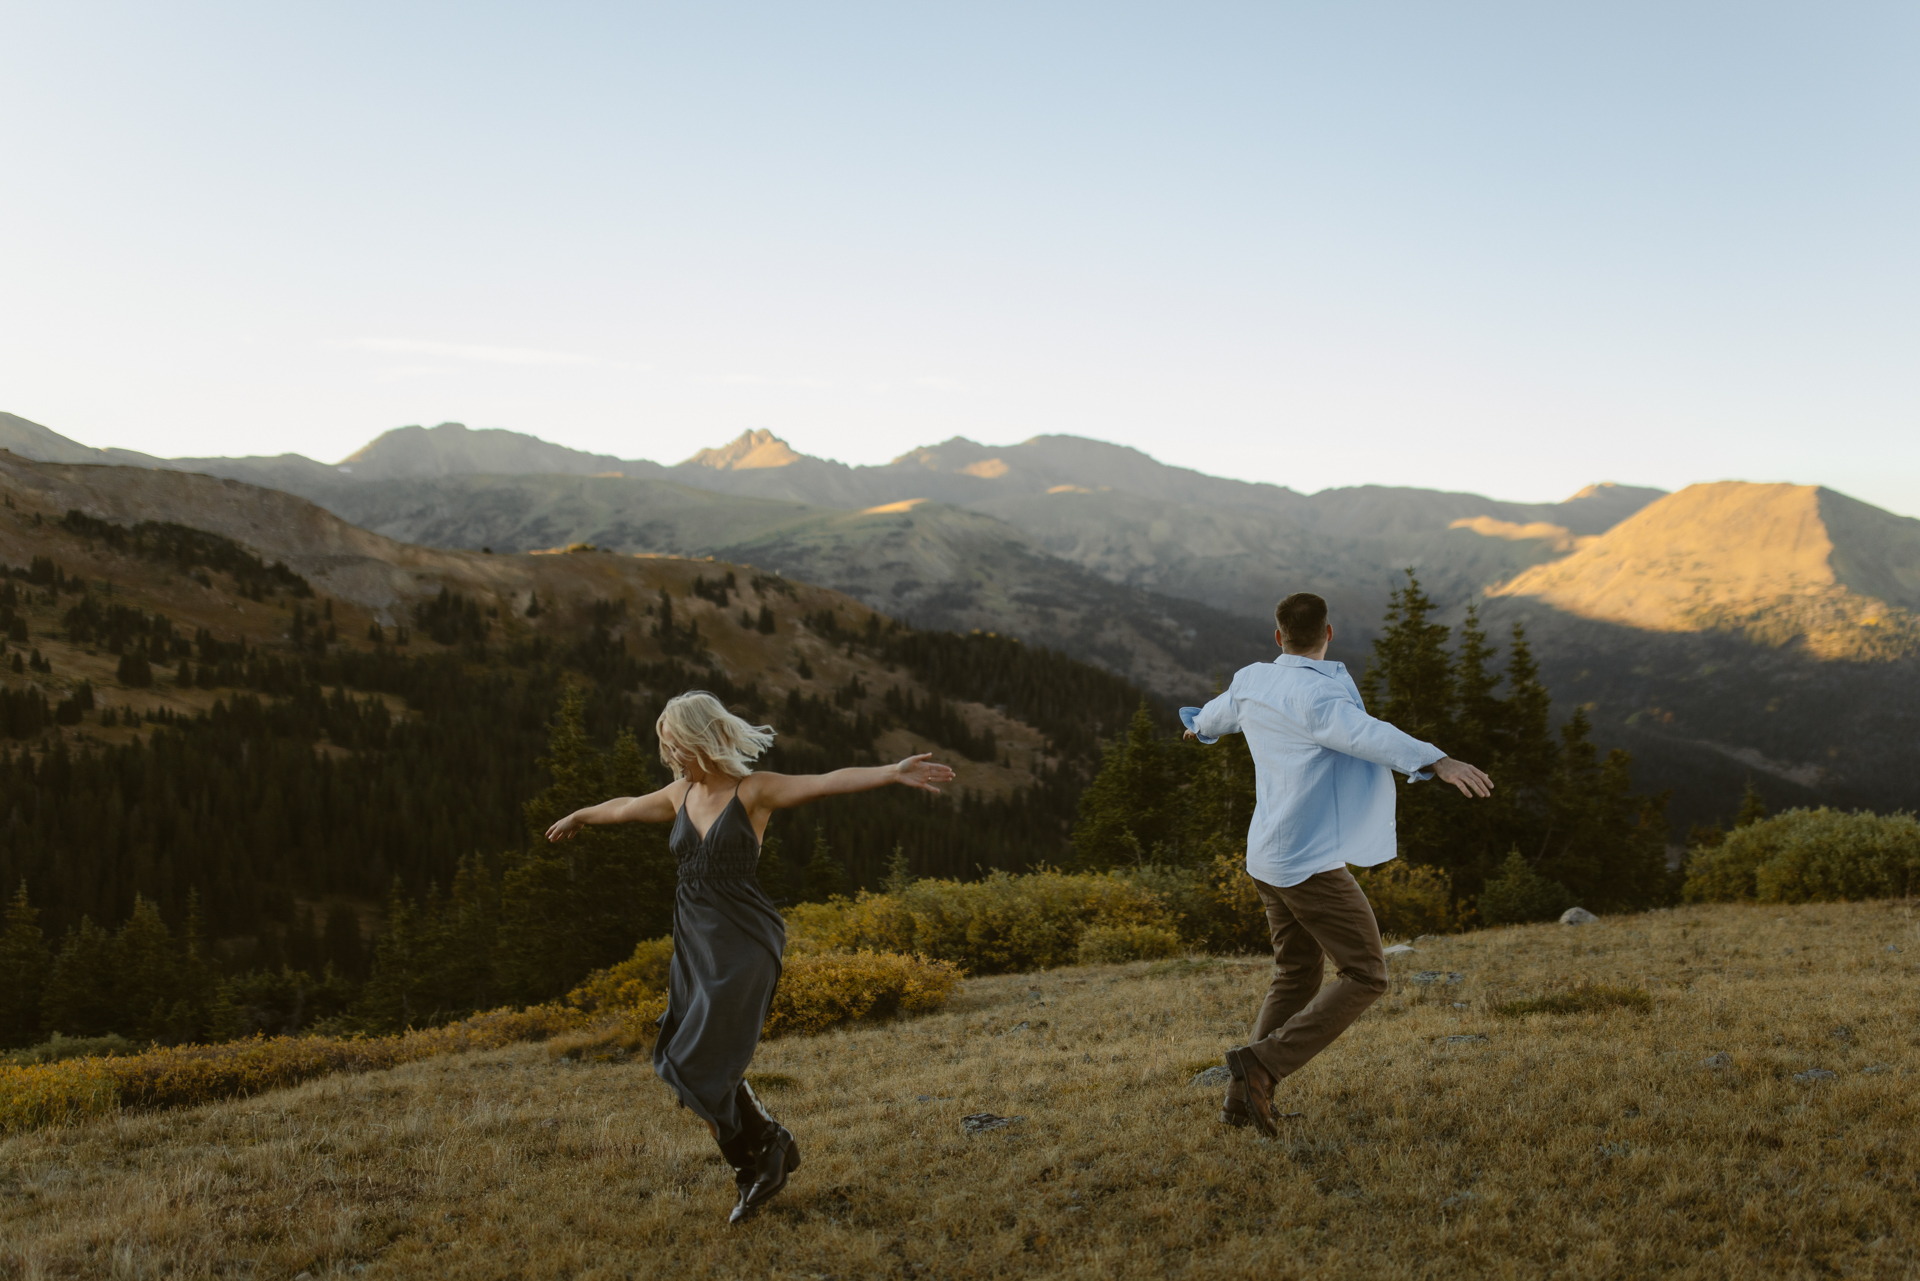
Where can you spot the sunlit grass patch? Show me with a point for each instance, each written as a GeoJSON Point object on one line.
{"type": "Point", "coordinates": [1703, 1138]}
{"type": "Point", "coordinates": [1590, 998]}
{"type": "Point", "coordinates": [73, 1089]}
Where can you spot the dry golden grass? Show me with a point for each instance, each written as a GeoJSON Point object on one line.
{"type": "Point", "coordinates": [1591, 1145]}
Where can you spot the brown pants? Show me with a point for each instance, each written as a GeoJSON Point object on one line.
{"type": "Point", "coordinates": [1325, 915]}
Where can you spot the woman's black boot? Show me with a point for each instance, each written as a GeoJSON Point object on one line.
{"type": "Point", "coordinates": [770, 1152]}
{"type": "Point", "coordinates": [739, 1152]}
{"type": "Point", "coordinates": [774, 1157]}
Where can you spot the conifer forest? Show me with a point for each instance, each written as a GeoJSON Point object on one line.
{"type": "Point", "coordinates": [351, 837]}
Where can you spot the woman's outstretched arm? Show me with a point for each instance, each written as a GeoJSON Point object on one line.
{"type": "Point", "coordinates": [654, 807]}
{"type": "Point", "coordinates": [784, 791]}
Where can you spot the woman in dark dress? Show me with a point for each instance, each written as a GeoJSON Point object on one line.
{"type": "Point", "coordinates": [727, 937]}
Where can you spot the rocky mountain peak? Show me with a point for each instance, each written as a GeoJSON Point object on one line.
{"type": "Point", "coordinates": [454, 449]}
{"type": "Point", "coordinates": [749, 451]}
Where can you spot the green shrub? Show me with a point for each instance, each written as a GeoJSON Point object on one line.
{"type": "Point", "coordinates": [73, 1089]}
{"type": "Point", "coordinates": [1107, 944]}
{"type": "Point", "coordinates": [57, 1049]}
{"type": "Point", "coordinates": [817, 990]}
{"type": "Point", "coordinates": [1408, 900]}
{"type": "Point", "coordinates": [1000, 925]}
{"type": "Point", "coordinates": [1815, 855]}
{"type": "Point", "coordinates": [1519, 894]}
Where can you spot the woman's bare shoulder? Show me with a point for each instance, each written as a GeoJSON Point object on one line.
{"type": "Point", "coordinates": [754, 784]}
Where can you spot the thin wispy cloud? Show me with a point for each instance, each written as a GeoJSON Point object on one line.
{"type": "Point", "coordinates": [470, 351]}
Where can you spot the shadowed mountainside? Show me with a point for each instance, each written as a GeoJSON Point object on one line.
{"type": "Point", "coordinates": [1772, 625]}
{"type": "Point", "coordinates": [1110, 510]}
{"type": "Point", "coordinates": [373, 579]}
{"type": "Point", "coordinates": [1727, 631]}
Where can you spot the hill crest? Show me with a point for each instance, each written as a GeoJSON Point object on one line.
{"type": "Point", "coordinates": [1775, 562]}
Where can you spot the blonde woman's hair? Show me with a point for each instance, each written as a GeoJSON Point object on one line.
{"type": "Point", "coordinates": [696, 725]}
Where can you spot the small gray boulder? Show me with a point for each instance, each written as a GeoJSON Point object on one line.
{"type": "Point", "coordinates": [1216, 1077]}
{"type": "Point", "coordinates": [981, 1122]}
{"type": "Point", "coordinates": [1577, 916]}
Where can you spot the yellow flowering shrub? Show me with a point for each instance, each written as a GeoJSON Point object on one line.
{"type": "Point", "coordinates": [622, 986]}
{"type": "Point", "coordinates": [619, 1034]}
{"type": "Point", "coordinates": [1408, 900]}
{"type": "Point", "coordinates": [180, 1076]}
{"type": "Point", "coordinates": [1110, 943]}
{"type": "Point", "coordinates": [823, 990]}
{"type": "Point", "coordinates": [817, 990]}
{"type": "Point", "coordinates": [998, 925]}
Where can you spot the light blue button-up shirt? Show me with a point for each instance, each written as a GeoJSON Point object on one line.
{"type": "Point", "coordinates": [1322, 767]}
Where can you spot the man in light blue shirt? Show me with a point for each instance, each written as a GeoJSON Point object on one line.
{"type": "Point", "coordinates": [1324, 799]}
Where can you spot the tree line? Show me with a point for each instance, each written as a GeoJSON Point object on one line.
{"type": "Point", "coordinates": [216, 875]}
{"type": "Point", "coordinates": [1562, 827]}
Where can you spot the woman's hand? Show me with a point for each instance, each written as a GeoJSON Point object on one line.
{"type": "Point", "coordinates": [566, 828]}
{"type": "Point", "coordinates": [923, 772]}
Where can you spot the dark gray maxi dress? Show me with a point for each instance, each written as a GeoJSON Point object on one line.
{"type": "Point", "coordinates": [727, 940]}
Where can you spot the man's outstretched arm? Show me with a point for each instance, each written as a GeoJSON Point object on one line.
{"type": "Point", "coordinates": [1338, 724]}
{"type": "Point", "coordinates": [1220, 716]}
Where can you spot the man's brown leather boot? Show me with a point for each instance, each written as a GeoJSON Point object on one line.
{"type": "Point", "coordinates": [1259, 1085]}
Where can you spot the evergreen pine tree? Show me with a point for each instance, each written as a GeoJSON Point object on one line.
{"type": "Point", "coordinates": [1220, 796]}
{"type": "Point", "coordinates": [24, 963]}
{"type": "Point", "coordinates": [1129, 813]}
{"type": "Point", "coordinates": [642, 846]}
{"type": "Point", "coordinates": [391, 998]}
{"type": "Point", "coordinates": [1752, 808]}
{"type": "Point", "coordinates": [1526, 749]}
{"type": "Point", "coordinates": [79, 999]}
{"type": "Point", "coordinates": [461, 940]}
{"type": "Point", "coordinates": [345, 949]}
{"type": "Point", "coordinates": [899, 871]}
{"type": "Point", "coordinates": [1409, 679]}
{"type": "Point", "coordinates": [582, 904]}
{"type": "Point", "coordinates": [144, 954]}
{"type": "Point", "coordinates": [196, 979]}
{"type": "Point", "coordinates": [1409, 682]}
{"type": "Point", "coordinates": [1607, 846]}
{"type": "Point", "coordinates": [1518, 893]}
{"type": "Point", "coordinates": [824, 876]}
{"type": "Point", "coordinates": [775, 880]}
{"type": "Point", "coordinates": [1478, 712]}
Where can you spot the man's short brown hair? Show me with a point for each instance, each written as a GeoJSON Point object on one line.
{"type": "Point", "coordinates": [1302, 618]}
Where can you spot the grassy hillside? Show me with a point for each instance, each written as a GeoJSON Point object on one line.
{"type": "Point", "coordinates": [1586, 1145]}
{"type": "Point", "coordinates": [299, 740]}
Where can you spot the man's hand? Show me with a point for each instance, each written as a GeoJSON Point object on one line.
{"type": "Point", "coordinates": [1471, 780]}
{"type": "Point", "coordinates": [1192, 735]}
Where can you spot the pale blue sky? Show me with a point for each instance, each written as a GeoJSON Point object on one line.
{"type": "Point", "coordinates": [1507, 248]}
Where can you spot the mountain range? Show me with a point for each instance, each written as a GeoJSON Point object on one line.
{"type": "Point", "coordinates": [1726, 632]}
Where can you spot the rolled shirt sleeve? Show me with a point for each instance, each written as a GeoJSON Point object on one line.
{"type": "Point", "coordinates": [1219, 717]}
